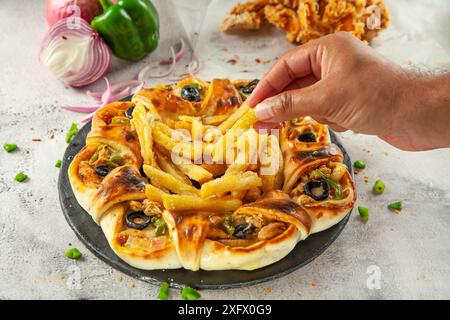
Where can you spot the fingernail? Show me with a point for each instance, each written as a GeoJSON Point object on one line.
{"type": "Point", "coordinates": [263, 111]}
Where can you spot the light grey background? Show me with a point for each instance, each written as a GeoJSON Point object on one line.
{"type": "Point", "coordinates": [411, 250]}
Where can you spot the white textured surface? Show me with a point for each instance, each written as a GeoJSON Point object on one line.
{"type": "Point", "coordinates": [411, 249]}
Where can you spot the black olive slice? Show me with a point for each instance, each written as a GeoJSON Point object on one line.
{"type": "Point", "coordinates": [103, 170]}
{"type": "Point", "coordinates": [137, 220]}
{"type": "Point", "coordinates": [243, 229]}
{"type": "Point", "coordinates": [307, 137]}
{"type": "Point", "coordinates": [190, 93]}
{"type": "Point", "coordinates": [317, 189]}
{"type": "Point", "coordinates": [250, 87]}
{"type": "Point", "coordinates": [129, 112]}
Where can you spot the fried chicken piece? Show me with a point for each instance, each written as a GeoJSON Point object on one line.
{"type": "Point", "coordinates": [304, 20]}
{"type": "Point", "coordinates": [246, 16]}
{"type": "Point", "coordinates": [285, 19]}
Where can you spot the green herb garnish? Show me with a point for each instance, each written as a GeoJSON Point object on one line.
{"type": "Point", "coordinates": [21, 177]}
{"type": "Point", "coordinates": [227, 224]}
{"type": "Point", "coordinates": [10, 147]}
{"type": "Point", "coordinates": [359, 164]}
{"type": "Point", "coordinates": [163, 293]}
{"type": "Point", "coordinates": [189, 293]}
{"type": "Point", "coordinates": [378, 187]}
{"type": "Point", "coordinates": [73, 253]}
{"type": "Point", "coordinates": [73, 130]}
{"type": "Point", "coordinates": [58, 163]}
{"type": "Point", "coordinates": [397, 205]}
{"type": "Point", "coordinates": [160, 225]}
{"type": "Point", "coordinates": [334, 184]}
{"type": "Point", "coordinates": [363, 213]}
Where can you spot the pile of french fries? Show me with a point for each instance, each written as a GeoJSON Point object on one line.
{"type": "Point", "coordinates": [212, 163]}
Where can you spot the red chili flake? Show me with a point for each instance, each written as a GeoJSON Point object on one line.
{"type": "Point", "coordinates": [36, 140]}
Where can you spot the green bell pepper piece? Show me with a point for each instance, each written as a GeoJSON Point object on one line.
{"type": "Point", "coordinates": [129, 27]}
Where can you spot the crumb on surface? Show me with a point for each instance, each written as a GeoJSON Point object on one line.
{"type": "Point", "coordinates": [313, 283]}
{"type": "Point", "coordinates": [233, 60]}
{"type": "Point", "coordinates": [257, 60]}
{"type": "Point", "coordinates": [267, 290]}
{"type": "Point", "coordinates": [120, 278]}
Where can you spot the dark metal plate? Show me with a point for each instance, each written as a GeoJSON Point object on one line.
{"type": "Point", "coordinates": [93, 238]}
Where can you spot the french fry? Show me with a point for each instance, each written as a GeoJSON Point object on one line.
{"type": "Point", "coordinates": [153, 193]}
{"type": "Point", "coordinates": [247, 146]}
{"type": "Point", "coordinates": [235, 116]}
{"type": "Point", "coordinates": [195, 172]}
{"type": "Point", "coordinates": [216, 169]}
{"type": "Point", "coordinates": [145, 134]}
{"type": "Point", "coordinates": [178, 148]}
{"type": "Point", "coordinates": [167, 166]}
{"type": "Point", "coordinates": [187, 203]}
{"type": "Point", "coordinates": [165, 180]}
{"type": "Point", "coordinates": [271, 166]}
{"type": "Point", "coordinates": [197, 139]}
{"type": "Point", "coordinates": [252, 195]}
{"type": "Point", "coordinates": [229, 183]}
{"type": "Point", "coordinates": [244, 123]}
{"type": "Point", "coordinates": [215, 120]}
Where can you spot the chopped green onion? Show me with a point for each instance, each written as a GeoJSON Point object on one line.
{"type": "Point", "coordinates": [21, 177]}
{"type": "Point", "coordinates": [378, 187]}
{"type": "Point", "coordinates": [117, 159]}
{"type": "Point", "coordinates": [120, 120]}
{"type": "Point", "coordinates": [363, 213]}
{"type": "Point", "coordinates": [73, 130]}
{"type": "Point", "coordinates": [395, 205]}
{"type": "Point", "coordinates": [10, 147]}
{"type": "Point", "coordinates": [227, 224]}
{"type": "Point", "coordinates": [160, 225]}
{"type": "Point", "coordinates": [359, 164]}
{"type": "Point", "coordinates": [189, 293]}
{"type": "Point", "coordinates": [73, 253]}
{"type": "Point", "coordinates": [58, 163]}
{"type": "Point", "coordinates": [335, 185]}
{"type": "Point", "coordinates": [163, 293]}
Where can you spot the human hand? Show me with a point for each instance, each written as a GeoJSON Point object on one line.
{"type": "Point", "coordinates": [340, 81]}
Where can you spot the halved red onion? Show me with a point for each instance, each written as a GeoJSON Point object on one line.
{"type": "Point", "coordinates": [74, 52]}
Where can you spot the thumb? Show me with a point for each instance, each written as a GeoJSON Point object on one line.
{"type": "Point", "coordinates": [293, 104]}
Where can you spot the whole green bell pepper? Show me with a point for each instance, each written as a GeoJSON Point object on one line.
{"type": "Point", "coordinates": [129, 27]}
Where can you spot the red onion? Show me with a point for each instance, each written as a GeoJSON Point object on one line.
{"type": "Point", "coordinates": [56, 10]}
{"type": "Point", "coordinates": [178, 55]}
{"type": "Point", "coordinates": [112, 93]}
{"type": "Point", "coordinates": [118, 91]}
{"type": "Point", "coordinates": [143, 72]}
{"type": "Point", "coordinates": [74, 52]}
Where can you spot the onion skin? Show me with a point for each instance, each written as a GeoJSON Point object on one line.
{"type": "Point", "coordinates": [56, 10]}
